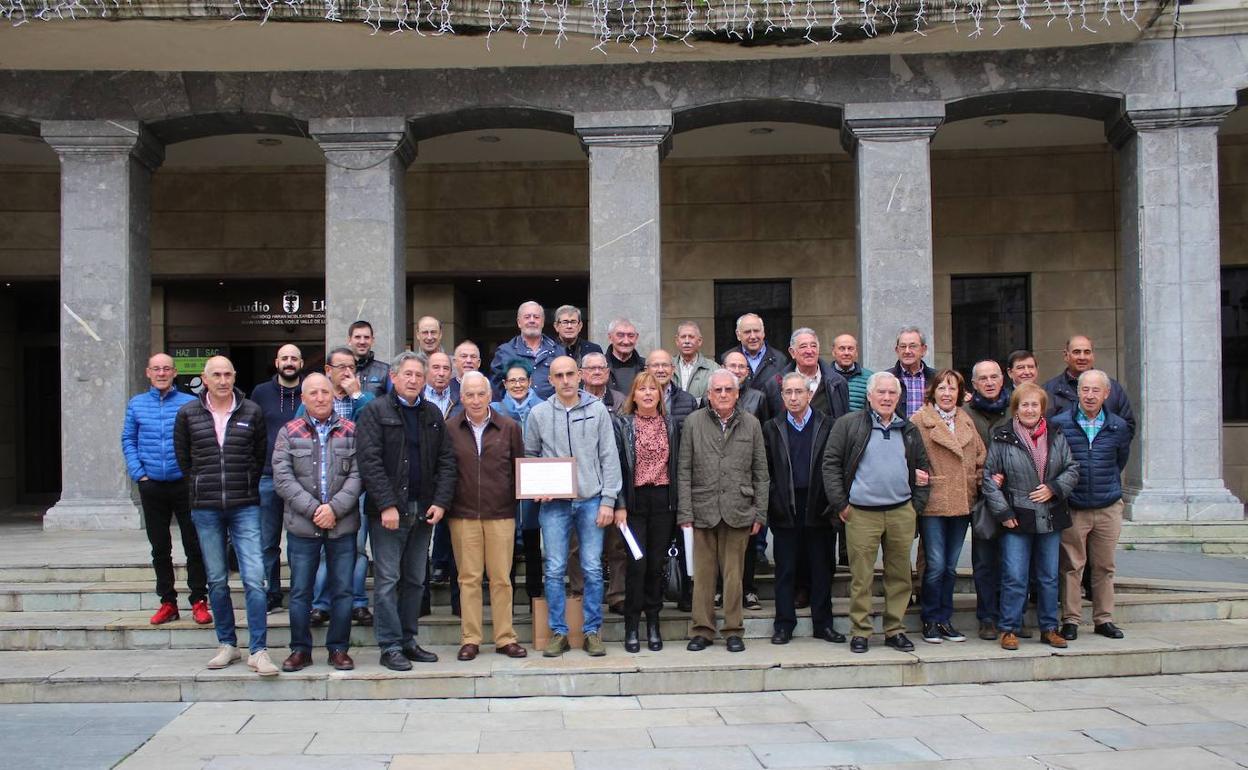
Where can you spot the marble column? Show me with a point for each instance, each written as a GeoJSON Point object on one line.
{"type": "Point", "coordinates": [106, 171]}
{"type": "Point", "coordinates": [365, 227]}
{"type": "Point", "coordinates": [1170, 271]}
{"type": "Point", "coordinates": [890, 144]}
{"type": "Point", "coordinates": [625, 262]}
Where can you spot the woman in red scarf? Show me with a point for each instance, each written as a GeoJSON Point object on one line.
{"type": "Point", "coordinates": [1028, 474]}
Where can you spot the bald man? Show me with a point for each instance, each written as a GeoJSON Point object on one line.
{"type": "Point", "coordinates": [429, 335]}
{"type": "Point", "coordinates": [147, 443]}
{"type": "Point", "coordinates": [278, 399]}
{"type": "Point", "coordinates": [220, 443]}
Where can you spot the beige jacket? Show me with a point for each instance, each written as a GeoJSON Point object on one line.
{"type": "Point", "coordinates": [957, 460]}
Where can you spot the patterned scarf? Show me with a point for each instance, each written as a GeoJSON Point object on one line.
{"type": "Point", "coordinates": [1035, 443]}
{"type": "Point", "coordinates": [949, 417]}
{"type": "Point", "coordinates": [996, 406]}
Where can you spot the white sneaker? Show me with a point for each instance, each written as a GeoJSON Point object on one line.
{"type": "Point", "coordinates": [261, 663]}
{"type": "Point", "coordinates": [226, 654]}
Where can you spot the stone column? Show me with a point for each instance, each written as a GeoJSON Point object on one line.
{"type": "Point", "coordinates": [625, 261]}
{"type": "Point", "coordinates": [106, 170]}
{"type": "Point", "coordinates": [365, 227]}
{"type": "Point", "coordinates": [1168, 226]}
{"type": "Point", "coordinates": [890, 145]}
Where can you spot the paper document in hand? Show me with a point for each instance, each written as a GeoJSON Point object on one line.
{"type": "Point", "coordinates": [545, 477]}
{"type": "Point", "coordinates": [688, 533]}
{"type": "Point", "coordinates": [632, 542]}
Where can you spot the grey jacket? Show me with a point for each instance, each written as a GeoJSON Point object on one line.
{"type": "Point", "coordinates": [722, 474]}
{"type": "Point", "coordinates": [585, 432]}
{"type": "Point", "coordinates": [699, 378]}
{"type": "Point", "coordinates": [297, 473]}
{"type": "Point", "coordinates": [1007, 456]}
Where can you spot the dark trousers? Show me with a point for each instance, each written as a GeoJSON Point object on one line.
{"type": "Point", "coordinates": [751, 562]}
{"type": "Point", "coordinates": [400, 557]}
{"type": "Point", "coordinates": [304, 554]}
{"type": "Point", "coordinates": [271, 524]}
{"type": "Point", "coordinates": [163, 501]}
{"type": "Point", "coordinates": [818, 545]}
{"type": "Point", "coordinates": [443, 555]}
{"type": "Point", "coordinates": [986, 567]}
{"type": "Point", "coordinates": [652, 523]}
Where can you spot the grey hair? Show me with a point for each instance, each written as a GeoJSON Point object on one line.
{"type": "Point", "coordinates": [523, 305]}
{"type": "Point", "coordinates": [911, 330]}
{"type": "Point", "coordinates": [799, 332]}
{"type": "Point", "coordinates": [585, 358]}
{"type": "Point", "coordinates": [473, 377]}
{"type": "Point", "coordinates": [311, 378]}
{"type": "Point", "coordinates": [617, 323]}
{"type": "Point", "coordinates": [796, 376]}
{"type": "Point", "coordinates": [882, 376]}
{"type": "Point", "coordinates": [407, 355]}
{"type": "Point", "coordinates": [724, 373]}
{"type": "Point", "coordinates": [741, 319]}
{"type": "Point", "coordinates": [689, 325]}
{"type": "Point", "coordinates": [568, 310]}
{"type": "Point", "coordinates": [468, 344]}
{"type": "Point", "coordinates": [1095, 373]}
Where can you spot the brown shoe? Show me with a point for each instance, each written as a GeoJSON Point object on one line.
{"type": "Point", "coordinates": [296, 661]}
{"type": "Point", "coordinates": [1009, 641]}
{"type": "Point", "coordinates": [512, 650]}
{"type": "Point", "coordinates": [468, 652]}
{"type": "Point", "coordinates": [1053, 639]}
{"type": "Point", "coordinates": [340, 660]}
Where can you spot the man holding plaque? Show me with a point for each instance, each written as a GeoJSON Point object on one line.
{"type": "Point", "coordinates": [574, 426]}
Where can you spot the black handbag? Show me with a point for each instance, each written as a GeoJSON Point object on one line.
{"type": "Point", "coordinates": [673, 574]}
{"type": "Point", "coordinates": [984, 525]}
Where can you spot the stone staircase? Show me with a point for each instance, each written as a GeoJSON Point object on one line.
{"type": "Point", "coordinates": [79, 630]}
{"type": "Point", "coordinates": [1215, 538]}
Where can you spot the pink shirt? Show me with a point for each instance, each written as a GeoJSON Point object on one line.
{"type": "Point", "coordinates": [221, 419]}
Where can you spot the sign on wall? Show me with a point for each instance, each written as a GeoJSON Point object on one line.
{"type": "Point", "coordinates": [244, 311]}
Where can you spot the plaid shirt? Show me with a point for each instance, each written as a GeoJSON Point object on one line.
{"type": "Point", "coordinates": [344, 407]}
{"type": "Point", "coordinates": [1091, 427]}
{"type": "Point", "coordinates": [322, 433]}
{"type": "Point", "coordinates": [916, 387]}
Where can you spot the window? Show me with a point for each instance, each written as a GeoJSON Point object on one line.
{"type": "Point", "coordinates": [1235, 343]}
{"type": "Point", "coordinates": [991, 317]}
{"type": "Point", "coordinates": [771, 300]}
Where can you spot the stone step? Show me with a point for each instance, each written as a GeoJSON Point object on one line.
{"type": "Point", "coordinates": [130, 630]}
{"type": "Point", "coordinates": [1218, 538]}
{"type": "Point", "coordinates": [179, 675]}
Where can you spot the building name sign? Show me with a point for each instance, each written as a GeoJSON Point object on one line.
{"type": "Point", "coordinates": [294, 310]}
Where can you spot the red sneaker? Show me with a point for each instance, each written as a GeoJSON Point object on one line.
{"type": "Point", "coordinates": [199, 611]}
{"type": "Point", "coordinates": [168, 611]}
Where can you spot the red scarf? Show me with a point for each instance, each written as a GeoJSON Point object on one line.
{"type": "Point", "coordinates": [1035, 443]}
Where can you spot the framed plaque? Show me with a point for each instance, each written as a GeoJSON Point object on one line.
{"type": "Point", "coordinates": [540, 477]}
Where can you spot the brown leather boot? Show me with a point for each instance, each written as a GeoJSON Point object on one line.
{"type": "Point", "coordinates": [1009, 641]}
{"type": "Point", "coordinates": [1053, 638]}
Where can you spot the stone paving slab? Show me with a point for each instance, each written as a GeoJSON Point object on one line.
{"type": "Point", "coordinates": [804, 755]}
{"type": "Point", "coordinates": [1012, 744]}
{"type": "Point", "coordinates": [1190, 758]}
{"type": "Point", "coordinates": [895, 727]}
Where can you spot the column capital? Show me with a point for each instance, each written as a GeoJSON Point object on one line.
{"type": "Point", "coordinates": [1153, 112]}
{"type": "Point", "coordinates": [85, 138]}
{"type": "Point", "coordinates": [385, 135]}
{"type": "Point", "coordinates": [627, 128]}
{"type": "Point", "coordinates": [889, 122]}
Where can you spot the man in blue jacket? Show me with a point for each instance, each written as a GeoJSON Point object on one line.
{"type": "Point", "coordinates": [1101, 442]}
{"type": "Point", "coordinates": [147, 443]}
{"type": "Point", "coordinates": [531, 345]}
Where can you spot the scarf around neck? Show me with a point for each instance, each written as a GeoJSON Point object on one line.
{"type": "Point", "coordinates": [996, 406]}
{"type": "Point", "coordinates": [1035, 442]}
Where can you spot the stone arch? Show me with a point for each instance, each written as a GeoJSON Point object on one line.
{"type": "Point", "coordinates": [12, 124]}
{"type": "Point", "coordinates": [187, 127]}
{"type": "Point", "coordinates": [481, 118]}
{"type": "Point", "coordinates": [1075, 104]}
{"type": "Point", "coordinates": [752, 110]}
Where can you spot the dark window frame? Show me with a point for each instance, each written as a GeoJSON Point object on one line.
{"type": "Point", "coordinates": [1234, 354]}
{"type": "Point", "coordinates": [965, 363]}
{"type": "Point", "coordinates": [776, 324]}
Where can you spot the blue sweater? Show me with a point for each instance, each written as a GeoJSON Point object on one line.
{"type": "Point", "coordinates": [147, 437]}
{"type": "Point", "coordinates": [1100, 463]}
{"type": "Point", "coordinates": [279, 405]}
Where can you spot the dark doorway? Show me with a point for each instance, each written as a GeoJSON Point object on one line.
{"type": "Point", "coordinates": [991, 317]}
{"type": "Point", "coordinates": [770, 300]}
{"type": "Point", "coordinates": [38, 417]}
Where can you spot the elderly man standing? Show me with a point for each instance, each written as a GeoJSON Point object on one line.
{"type": "Point", "coordinates": [220, 443]}
{"type": "Point", "coordinates": [875, 472]}
{"type": "Point", "coordinates": [622, 354]}
{"type": "Point", "coordinates": [568, 326]}
{"type": "Point", "coordinates": [532, 346]}
{"type": "Point", "coordinates": [1063, 389]}
{"type": "Point", "coordinates": [1020, 365]}
{"type": "Point", "coordinates": [467, 358]}
{"type": "Point", "coordinates": [676, 402]}
{"type": "Point", "coordinates": [829, 390]}
{"type": "Point", "coordinates": [1100, 441]}
{"type": "Point", "coordinates": [723, 449]}
{"type": "Point", "coordinates": [573, 423]}
{"type": "Point", "coordinates": [408, 469]}
{"type": "Point", "coordinates": [989, 409]}
{"type": "Point", "coordinates": [595, 379]}
{"type": "Point", "coordinates": [692, 368]}
{"type": "Point", "coordinates": [845, 358]}
{"type": "Point", "coordinates": [912, 372]}
{"type": "Point", "coordinates": [429, 335]}
{"type": "Point", "coordinates": [147, 444]}
{"type": "Point", "coordinates": [765, 362]}
{"type": "Point", "coordinates": [316, 475]}
{"type": "Point", "coordinates": [441, 389]}
{"type": "Point", "coordinates": [482, 516]}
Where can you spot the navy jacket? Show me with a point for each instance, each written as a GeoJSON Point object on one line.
{"type": "Point", "coordinates": [1100, 463]}
{"type": "Point", "coordinates": [516, 348]}
{"type": "Point", "coordinates": [147, 436]}
{"type": "Point", "coordinates": [1063, 393]}
{"type": "Point", "coordinates": [835, 388]}
{"type": "Point", "coordinates": [774, 362]}
{"type": "Point", "coordinates": [279, 404]}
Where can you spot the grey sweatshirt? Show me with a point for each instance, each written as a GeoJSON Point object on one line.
{"type": "Point", "coordinates": [584, 432]}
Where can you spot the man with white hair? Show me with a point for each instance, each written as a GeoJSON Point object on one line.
{"type": "Point", "coordinates": [829, 390]}
{"type": "Point", "coordinates": [530, 344]}
{"type": "Point", "coordinates": [766, 363]}
{"type": "Point", "coordinates": [568, 325]}
{"type": "Point", "coordinates": [875, 474]}
{"type": "Point", "coordinates": [692, 368]}
{"type": "Point", "coordinates": [622, 354]}
{"type": "Point", "coordinates": [1100, 442]}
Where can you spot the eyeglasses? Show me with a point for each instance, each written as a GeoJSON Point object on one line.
{"type": "Point", "coordinates": [567, 322]}
{"type": "Point", "coordinates": [516, 380]}
{"type": "Point", "coordinates": [658, 366]}
{"type": "Point", "coordinates": [909, 346]}
{"type": "Point", "coordinates": [794, 392]}
{"type": "Point", "coordinates": [348, 367]}
{"type": "Point", "coordinates": [723, 390]}
{"type": "Point", "coordinates": [160, 369]}
{"type": "Point", "coordinates": [594, 368]}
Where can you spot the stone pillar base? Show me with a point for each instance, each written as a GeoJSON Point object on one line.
{"type": "Point", "coordinates": [1146, 505]}
{"type": "Point", "coordinates": [93, 514]}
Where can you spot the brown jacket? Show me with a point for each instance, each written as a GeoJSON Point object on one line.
{"type": "Point", "coordinates": [957, 460]}
{"type": "Point", "coordinates": [485, 486]}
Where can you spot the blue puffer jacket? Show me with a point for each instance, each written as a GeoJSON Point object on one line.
{"type": "Point", "coordinates": [147, 438]}
{"type": "Point", "coordinates": [1100, 463]}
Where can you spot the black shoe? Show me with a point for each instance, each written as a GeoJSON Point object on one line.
{"type": "Point", "coordinates": [1069, 632]}
{"type": "Point", "coordinates": [395, 661]}
{"type": "Point", "coordinates": [735, 644]}
{"type": "Point", "coordinates": [762, 566]}
{"type": "Point", "coordinates": [417, 653]}
{"type": "Point", "coordinates": [781, 636]}
{"type": "Point", "coordinates": [830, 634]}
{"type": "Point", "coordinates": [1108, 630]}
{"type": "Point", "coordinates": [988, 631]}
{"type": "Point", "coordinates": [440, 577]}
{"type": "Point", "coordinates": [899, 642]}
{"type": "Point", "coordinates": [632, 642]}
{"type": "Point", "coordinates": [654, 639]}
{"type": "Point", "coordinates": [274, 604]}
{"type": "Point", "coordinates": [685, 604]}
{"type": "Point", "coordinates": [361, 616]}
{"type": "Point", "coordinates": [318, 618]}
{"type": "Point", "coordinates": [698, 644]}
{"type": "Point", "coordinates": [858, 644]}
{"type": "Point", "coordinates": [931, 633]}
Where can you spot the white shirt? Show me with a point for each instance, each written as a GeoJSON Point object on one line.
{"type": "Point", "coordinates": [686, 370]}
{"type": "Point", "coordinates": [478, 430]}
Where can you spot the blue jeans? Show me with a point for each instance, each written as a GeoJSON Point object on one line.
{"type": "Point", "coordinates": [400, 557]}
{"type": "Point", "coordinates": [305, 554]}
{"type": "Point", "coordinates": [559, 518]}
{"type": "Point", "coordinates": [943, 537]}
{"type": "Point", "coordinates": [243, 526]}
{"type": "Point", "coordinates": [271, 506]}
{"type": "Point", "coordinates": [1026, 557]}
{"type": "Point", "coordinates": [359, 577]}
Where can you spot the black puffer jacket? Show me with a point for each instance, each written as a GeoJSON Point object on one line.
{"type": "Point", "coordinates": [381, 452]}
{"type": "Point", "coordinates": [221, 477]}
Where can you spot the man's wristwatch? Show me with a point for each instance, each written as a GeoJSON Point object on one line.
{"type": "Point", "coordinates": [356, 395]}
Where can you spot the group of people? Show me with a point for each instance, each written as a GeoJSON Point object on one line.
{"type": "Point", "coordinates": [837, 462]}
